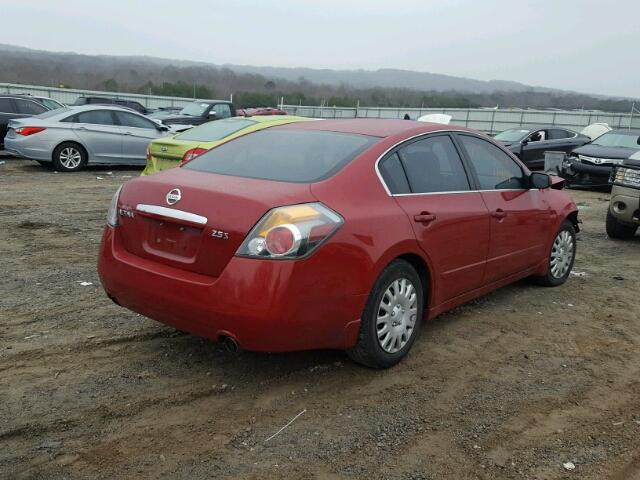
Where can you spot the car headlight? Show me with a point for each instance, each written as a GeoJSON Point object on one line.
{"type": "Point", "coordinates": [627, 177]}
{"type": "Point", "coordinates": [294, 231]}
{"type": "Point", "coordinates": [112, 213]}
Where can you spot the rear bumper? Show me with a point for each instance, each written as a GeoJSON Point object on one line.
{"type": "Point", "coordinates": [264, 305]}
{"type": "Point", "coordinates": [155, 165]}
{"type": "Point", "coordinates": [32, 150]}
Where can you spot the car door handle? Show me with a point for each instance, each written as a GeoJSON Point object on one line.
{"type": "Point", "coordinates": [128, 133]}
{"type": "Point", "coordinates": [424, 217]}
{"type": "Point", "coordinates": [82, 128]}
{"type": "Point", "coordinates": [499, 213]}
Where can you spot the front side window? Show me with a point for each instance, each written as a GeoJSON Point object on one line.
{"type": "Point", "coordinates": [495, 169]}
{"type": "Point", "coordinates": [214, 131]}
{"type": "Point", "coordinates": [433, 165]}
{"type": "Point", "coordinates": [131, 120]}
{"type": "Point", "coordinates": [285, 155]}
{"type": "Point", "coordinates": [30, 108]}
{"type": "Point", "coordinates": [95, 117]}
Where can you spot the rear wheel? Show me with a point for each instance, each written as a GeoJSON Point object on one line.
{"type": "Point", "coordinates": [618, 230]}
{"type": "Point", "coordinates": [69, 157]}
{"type": "Point", "coordinates": [391, 318]}
{"type": "Point", "coordinates": [561, 256]}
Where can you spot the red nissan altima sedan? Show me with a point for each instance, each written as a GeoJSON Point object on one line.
{"type": "Point", "coordinates": [344, 234]}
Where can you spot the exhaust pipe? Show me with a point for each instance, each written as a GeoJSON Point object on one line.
{"type": "Point", "coordinates": [230, 344]}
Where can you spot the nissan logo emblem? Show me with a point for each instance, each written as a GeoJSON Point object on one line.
{"type": "Point", "coordinates": [174, 196]}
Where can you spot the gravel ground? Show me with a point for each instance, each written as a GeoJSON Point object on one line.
{"type": "Point", "coordinates": [513, 385]}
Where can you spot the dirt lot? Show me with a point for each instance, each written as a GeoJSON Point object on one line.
{"type": "Point", "coordinates": [510, 386]}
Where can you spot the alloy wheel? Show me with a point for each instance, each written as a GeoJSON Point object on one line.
{"type": "Point", "coordinates": [396, 317]}
{"type": "Point", "coordinates": [561, 254]}
{"type": "Point", "coordinates": [70, 158]}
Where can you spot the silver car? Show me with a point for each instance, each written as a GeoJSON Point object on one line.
{"type": "Point", "coordinates": [70, 138]}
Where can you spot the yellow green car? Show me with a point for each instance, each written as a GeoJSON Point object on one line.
{"type": "Point", "coordinates": [169, 152]}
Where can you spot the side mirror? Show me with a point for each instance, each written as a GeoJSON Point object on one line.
{"type": "Point", "coordinates": [162, 128]}
{"type": "Point", "coordinates": [638, 141]}
{"type": "Point", "coordinates": [524, 142]}
{"type": "Point", "coordinates": [539, 180]}
{"type": "Point", "coordinates": [212, 115]}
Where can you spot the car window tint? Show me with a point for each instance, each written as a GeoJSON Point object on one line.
{"type": "Point", "coordinates": [495, 169]}
{"type": "Point", "coordinates": [96, 117]}
{"type": "Point", "coordinates": [6, 106]}
{"type": "Point", "coordinates": [132, 120]}
{"type": "Point", "coordinates": [222, 110]}
{"type": "Point", "coordinates": [559, 133]}
{"type": "Point", "coordinates": [28, 107]}
{"type": "Point", "coordinates": [283, 155]}
{"type": "Point", "coordinates": [70, 119]}
{"type": "Point", "coordinates": [433, 165]}
{"type": "Point", "coordinates": [393, 175]}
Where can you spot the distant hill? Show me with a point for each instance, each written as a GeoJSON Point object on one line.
{"type": "Point", "coordinates": [254, 86]}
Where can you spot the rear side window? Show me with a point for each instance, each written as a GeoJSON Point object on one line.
{"type": "Point", "coordinates": [130, 120]}
{"type": "Point", "coordinates": [559, 133]}
{"type": "Point", "coordinates": [212, 131]}
{"type": "Point", "coordinates": [495, 169]}
{"type": "Point", "coordinates": [6, 105]}
{"type": "Point", "coordinates": [222, 110]}
{"type": "Point", "coordinates": [433, 165]}
{"type": "Point", "coordinates": [95, 117]}
{"type": "Point", "coordinates": [30, 108]}
{"type": "Point", "coordinates": [283, 155]}
{"type": "Point", "coordinates": [393, 175]}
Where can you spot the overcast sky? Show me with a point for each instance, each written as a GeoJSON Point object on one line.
{"type": "Point", "coordinates": [588, 45]}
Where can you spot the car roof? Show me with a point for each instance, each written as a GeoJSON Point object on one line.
{"type": "Point", "coordinates": [374, 127]}
{"type": "Point", "coordinates": [84, 108]}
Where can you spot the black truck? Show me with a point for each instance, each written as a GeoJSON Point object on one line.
{"type": "Point", "coordinates": [201, 111]}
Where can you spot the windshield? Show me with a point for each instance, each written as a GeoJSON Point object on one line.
{"type": "Point", "coordinates": [195, 109]}
{"type": "Point", "coordinates": [51, 104]}
{"type": "Point", "coordinates": [512, 135]}
{"type": "Point", "coordinates": [212, 131]}
{"type": "Point", "coordinates": [283, 155]}
{"type": "Point", "coordinates": [618, 139]}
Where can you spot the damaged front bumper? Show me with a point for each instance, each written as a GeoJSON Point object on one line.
{"type": "Point", "coordinates": [580, 173]}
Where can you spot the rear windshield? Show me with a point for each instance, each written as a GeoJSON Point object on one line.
{"type": "Point", "coordinates": [216, 130]}
{"type": "Point", "coordinates": [283, 155]}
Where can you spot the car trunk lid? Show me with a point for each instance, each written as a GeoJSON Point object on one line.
{"type": "Point", "coordinates": [196, 221]}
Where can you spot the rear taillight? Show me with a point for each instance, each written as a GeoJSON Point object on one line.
{"type": "Point", "coordinates": [112, 213]}
{"type": "Point", "coordinates": [294, 231]}
{"type": "Point", "coordinates": [191, 154]}
{"type": "Point", "coordinates": [148, 153]}
{"type": "Point", "coordinates": [26, 131]}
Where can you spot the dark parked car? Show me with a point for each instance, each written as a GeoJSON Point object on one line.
{"type": "Point", "coordinates": [201, 111]}
{"type": "Point", "coordinates": [592, 164]}
{"type": "Point", "coordinates": [132, 104]}
{"type": "Point", "coordinates": [17, 106]}
{"type": "Point", "coordinates": [530, 143]}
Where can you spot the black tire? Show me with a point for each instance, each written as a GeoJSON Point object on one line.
{"type": "Point", "coordinates": [63, 152]}
{"type": "Point", "coordinates": [618, 230]}
{"type": "Point", "coordinates": [549, 279]}
{"type": "Point", "coordinates": [368, 350]}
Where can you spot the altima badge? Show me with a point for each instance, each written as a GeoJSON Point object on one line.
{"type": "Point", "coordinates": [174, 196]}
{"type": "Point", "coordinates": [164, 149]}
